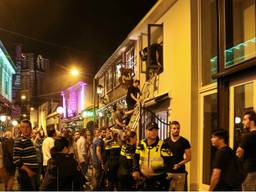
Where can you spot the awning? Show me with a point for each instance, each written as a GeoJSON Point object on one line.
{"type": "Point", "coordinates": [157, 99]}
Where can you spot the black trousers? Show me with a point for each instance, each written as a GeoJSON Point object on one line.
{"type": "Point", "coordinates": [156, 183]}
{"type": "Point", "coordinates": [27, 183]}
{"type": "Point", "coordinates": [126, 183]}
{"type": "Point", "coordinates": [99, 177]}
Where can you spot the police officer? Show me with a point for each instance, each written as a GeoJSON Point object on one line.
{"type": "Point", "coordinates": [152, 159]}
{"type": "Point", "coordinates": [113, 163]}
{"type": "Point", "coordinates": [126, 181]}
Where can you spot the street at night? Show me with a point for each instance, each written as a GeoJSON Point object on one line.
{"type": "Point", "coordinates": [139, 95]}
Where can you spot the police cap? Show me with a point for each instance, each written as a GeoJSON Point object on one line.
{"type": "Point", "coordinates": [152, 125]}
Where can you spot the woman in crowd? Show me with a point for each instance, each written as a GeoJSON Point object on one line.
{"type": "Point", "coordinates": [62, 170]}
{"type": "Point", "coordinates": [9, 168]}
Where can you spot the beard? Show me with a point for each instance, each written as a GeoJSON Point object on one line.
{"type": "Point", "coordinates": [175, 134]}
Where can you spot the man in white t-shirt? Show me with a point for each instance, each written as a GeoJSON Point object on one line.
{"type": "Point", "coordinates": [82, 151]}
{"type": "Point", "coordinates": [48, 143]}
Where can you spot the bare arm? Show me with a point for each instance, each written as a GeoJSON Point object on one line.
{"type": "Point", "coordinates": [187, 159]}
{"type": "Point", "coordinates": [28, 170]}
{"type": "Point", "coordinates": [119, 123]}
{"type": "Point", "coordinates": [215, 178]}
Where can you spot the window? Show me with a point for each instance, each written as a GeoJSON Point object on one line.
{"type": "Point", "coordinates": [155, 49]}
{"type": "Point", "coordinates": [240, 20]}
{"type": "Point", "coordinates": [109, 80]}
{"type": "Point", "coordinates": [243, 101]}
{"type": "Point", "coordinates": [6, 85]}
{"type": "Point", "coordinates": [101, 82]}
{"type": "Point", "coordinates": [130, 58]}
{"type": "Point", "coordinates": [209, 40]}
{"type": "Point", "coordinates": [117, 74]}
{"type": "Point", "coordinates": [210, 122]}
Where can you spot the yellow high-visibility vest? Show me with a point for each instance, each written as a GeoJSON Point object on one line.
{"type": "Point", "coordinates": [151, 160]}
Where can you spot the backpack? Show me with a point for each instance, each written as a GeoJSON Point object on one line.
{"type": "Point", "coordinates": [236, 174]}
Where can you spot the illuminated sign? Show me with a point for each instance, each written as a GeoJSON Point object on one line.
{"type": "Point", "coordinates": [87, 114]}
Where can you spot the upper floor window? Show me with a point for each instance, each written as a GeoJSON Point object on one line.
{"type": "Point", "coordinates": [109, 80]}
{"type": "Point", "coordinates": [152, 55]}
{"type": "Point", "coordinates": [240, 27]}
{"type": "Point", "coordinates": [209, 40]}
{"type": "Point", "coordinates": [101, 83]}
{"type": "Point", "coordinates": [130, 58]}
{"type": "Point", "coordinates": [117, 72]}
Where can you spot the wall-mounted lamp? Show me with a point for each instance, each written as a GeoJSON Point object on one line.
{"type": "Point", "coordinates": [23, 97]}
{"type": "Point", "coordinates": [100, 89]}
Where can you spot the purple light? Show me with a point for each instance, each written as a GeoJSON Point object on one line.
{"type": "Point", "coordinates": [64, 104]}
{"type": "Point", "coordinates": [75, 97]}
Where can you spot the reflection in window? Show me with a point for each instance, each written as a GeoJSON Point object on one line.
{"type": "Point", "coordinates": [243, 101]}
{"type": "Point", "coordinates": [109, 79]}
{"type": "Point", "coordinates": [209, 40]}
{"type": "Point", "coordinates": [101, 83]}
{"type": "Point", "coordinates": [130, 59]}
{"type": "Point", "coordinates": [240, 31]}
{"type": "Point", "coordinates": [210, 122]}
{"type": "Point", "coordinates": [117, 74]}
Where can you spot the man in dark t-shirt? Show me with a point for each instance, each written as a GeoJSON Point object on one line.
{"type": "Point", "coordinates": [222, 162]}
{"type": "Point", "coordinates": [247, 150]}
{"type": "Point", "coordinates": [133, 95]}
{"type": "Point", "coordinates": [98, 158]}
{"type": "Point", "coordinates": [179, 146]}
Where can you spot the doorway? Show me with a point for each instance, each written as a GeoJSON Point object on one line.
{"type": "Point", "coordinates": [242, 99]}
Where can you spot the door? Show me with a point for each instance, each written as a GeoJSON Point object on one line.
{"type": "Point", "coordinates": [242, 99]}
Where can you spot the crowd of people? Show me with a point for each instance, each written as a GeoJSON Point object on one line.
{"type": "Point", "coordinates": [60, 161]}
{"type": "Point", "coordinates": [128, 165]}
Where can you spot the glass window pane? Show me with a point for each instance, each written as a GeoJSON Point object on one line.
{"type": "Point", "coordinates": [209, 40]}
{"type": "Point", "coordinates": [243, 101]}
{"type": "Point", "coordinates": [210, 123]}
{"type": "Point", "coordinates": [109, 79]}
{"type": "Point", "coordinates": [155, 64]}
{"type": "Point", "coordinates": [240, 18]}
{"type": "Point", "coordinates": [117, 73]}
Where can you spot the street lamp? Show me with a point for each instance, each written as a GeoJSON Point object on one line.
{"type": "Point", "coordinates": [74, 72]}
{"type": "Point", "coordinates": [100, 90]}
{"type": "Point", "coordinates": [60, 110]}
{"type": "Point", "coordinates": [3, 118]}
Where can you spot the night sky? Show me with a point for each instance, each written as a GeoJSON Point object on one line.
{"type": "Point", "coordinates": [85, 32]}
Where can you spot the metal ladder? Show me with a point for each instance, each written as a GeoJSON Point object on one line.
{"type": "Point", "coordinates": [134, 121]}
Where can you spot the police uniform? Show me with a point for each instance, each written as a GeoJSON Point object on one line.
{"type": "Point", "coordinates": [152, 161]}
{"type": "Point", "coordinates": [126, 181]}
{"type": "Point", "coordinates": [113, 164]}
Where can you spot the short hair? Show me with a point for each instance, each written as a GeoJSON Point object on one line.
{"type": "Point", "coordinates": [252, 116]}
{"type": "Point", "coordinates": [137, 81]}
{"type": "Point", "coordinates": [59, 145]}
{"type": "Point", "coordinates": [114, 107]}
{"type": "Point", "coordinates": [51, 131]}
{"type": "Point", "coordinates": [128, 135]}
{"type": "Point", "coordinates": [221, 133]}
{"type": "Point", "coordinates": [174, 123]}
{"type": "Point", "coordinates": [27, 121]}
